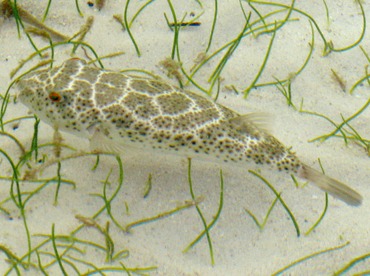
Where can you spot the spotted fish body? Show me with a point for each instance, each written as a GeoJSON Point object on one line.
{"type": "Point", "coordinates": [117, 110]}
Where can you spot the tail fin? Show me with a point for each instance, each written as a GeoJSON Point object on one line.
{"type": "Point", "coordinates": [331, 186]}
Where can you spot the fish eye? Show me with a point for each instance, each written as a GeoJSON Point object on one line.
{"type": "Point", "coordinates": [55, 97]}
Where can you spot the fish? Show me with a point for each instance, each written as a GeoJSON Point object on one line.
{"type": "Point", "coordinates": [115, 111]}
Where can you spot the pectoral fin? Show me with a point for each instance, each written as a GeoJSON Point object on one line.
{"type": "Point", "coordinates": [101, 141]}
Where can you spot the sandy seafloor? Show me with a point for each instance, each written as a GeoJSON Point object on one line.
{"type": "Point", "coordinates": [240, 248]}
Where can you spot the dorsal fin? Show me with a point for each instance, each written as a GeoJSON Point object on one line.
{"type": "Point", "coordinates": [252, 122]}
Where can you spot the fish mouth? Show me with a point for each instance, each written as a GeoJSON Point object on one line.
{"type": "Point", "coordinates": [21, 81]}
{"type": "Point", "coordinates": [21, 86]}
{"type": "Point", "coordinates": [24, 96]}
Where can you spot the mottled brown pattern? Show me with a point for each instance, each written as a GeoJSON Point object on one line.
{"type": "Point", "coordinates": [106, 94]}
{"type": "Point", "coordinates": [61, 81]}
{"type": "Point", "coordinates": [150, 112]}
{"type": "Point", "coordinates": [89, 74]}
{"type": "Point", "coordinates": [174, 103]}
{"type": "Point", "coordinates": [144, 87]}
{"type": "Point", "coordinates": [161, 86]}
{"type": "Point", "coordinates": [114, 79]}
{"type": "Point", "coordinates": [84, 88]}
{"type": "Point", "coordinates": [72, 66]}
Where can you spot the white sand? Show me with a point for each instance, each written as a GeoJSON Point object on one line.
{"type": "Point", "coordinates": [240, 248]}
